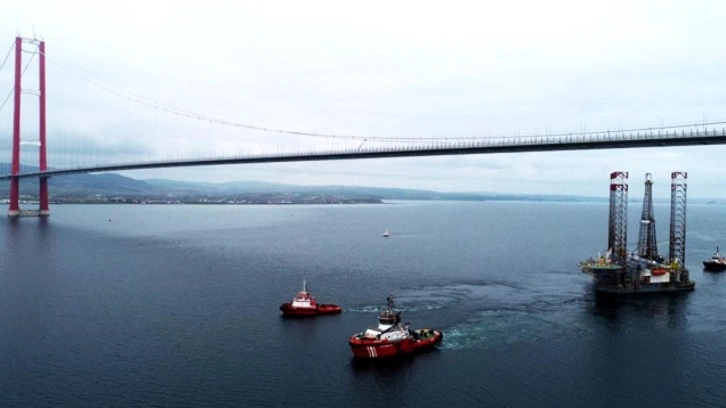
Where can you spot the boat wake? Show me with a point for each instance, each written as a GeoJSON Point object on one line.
{"type": "Point", "coordinates": [497, 327]}
{"type": "Point", "coordinates": [414, 308]}
{"type": "Point", "coordinates": [442, 297]}
{"type": "Point", "coordinates": [492, 314]}
{"type": "Point", "coordinates": [363, 309]}
{"type": "Point", "coordinates": [423, 299]}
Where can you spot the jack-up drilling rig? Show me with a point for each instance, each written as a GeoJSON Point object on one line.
{"type": "Point", "coordinates": [643, 271]}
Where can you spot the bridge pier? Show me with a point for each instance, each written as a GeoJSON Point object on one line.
{"type": "Point", "coordinates": [14, 202]}
{"type": "Point", "coordinates": [14, 207]}
{"type": "Point", "coordinates": [44, 209]}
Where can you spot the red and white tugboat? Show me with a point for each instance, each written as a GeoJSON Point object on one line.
{"type": "Point", "coordinates": [304, 304]}
{"type": "Point", "coordinates": [391, 337]}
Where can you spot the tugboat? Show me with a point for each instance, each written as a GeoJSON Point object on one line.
{"type": "Point", "coordinates": [391, 338]}
{"type": "Point", "coordinates": [717, 263]}
{"type": "Point", "coordinates": [304, 304]}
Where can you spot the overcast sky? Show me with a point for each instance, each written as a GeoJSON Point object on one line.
{"type": "Point", "coordinates": [441, 69]}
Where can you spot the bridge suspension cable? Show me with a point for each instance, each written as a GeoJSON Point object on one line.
{"type": "Point", "coordinates": [154, 104]}
{"type": "Point", "coordinates": [10, 50]}
{"type": "Point", "coordinates": [12, 45]}
{"type": "Point", "coordinates": [104, 85]}
{"type": "Point", "coordinates": [30, 60]}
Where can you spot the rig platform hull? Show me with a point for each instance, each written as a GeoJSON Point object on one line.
{"type": "Point", "coordinates": [616, 280]}
{"type": "Point", "coordinates": [650, 289]}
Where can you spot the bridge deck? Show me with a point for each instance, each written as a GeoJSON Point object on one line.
{"type": "Point", "coordinates": [607, 140]}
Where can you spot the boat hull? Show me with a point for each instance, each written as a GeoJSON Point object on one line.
{"type": "Point", "coordinates": [374, 349]}
{"type": "Point", "coordinates": [289, 310]}
{"type": "Point", "coordinates": [714, 266]}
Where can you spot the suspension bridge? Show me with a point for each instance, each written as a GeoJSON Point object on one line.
{"type": "Point", "coordinates": [706, 133]}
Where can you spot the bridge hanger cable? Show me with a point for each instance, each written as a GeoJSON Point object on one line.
{"type": "Point", "coordinates": [616, 132]}
{"type": "Point", "coordinates": [154, 104]}
{"type": "Point", "coordinates": [21, 75]}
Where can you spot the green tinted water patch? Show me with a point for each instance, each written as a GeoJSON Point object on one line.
{"type": "Point", "coordinates": [494, 328]}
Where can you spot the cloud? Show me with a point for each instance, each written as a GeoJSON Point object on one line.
{"type": "Point", "coordinates": [404, 68]}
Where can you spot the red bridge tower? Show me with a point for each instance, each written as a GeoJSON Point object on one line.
{"type": "Point", "coordinates": [14, 208]}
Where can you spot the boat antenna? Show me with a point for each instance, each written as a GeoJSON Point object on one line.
{"type": "Point", "coordinates": [389, 300]}
{"type": "Point", "coordinates": [305, 286]}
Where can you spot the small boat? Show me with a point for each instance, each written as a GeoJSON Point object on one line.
{"type": "Point", "coordinates": [386, 234]}
{"type": "Point", "coordinates": [717, 263]}
{"type": "Point", "coordinates": [304, 304]}
{"type": "Point", "coordinates": [391, 338]}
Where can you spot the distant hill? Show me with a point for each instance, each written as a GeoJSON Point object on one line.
{"type": "Point", "coordinates": [111, 184]}
{"type": "Point", "coordinates": [85, 184]}
{"type": "Point", "coordinates": [382, 192]}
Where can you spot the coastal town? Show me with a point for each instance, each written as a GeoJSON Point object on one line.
{"type": "Point", "coordinates": [238, 199]}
